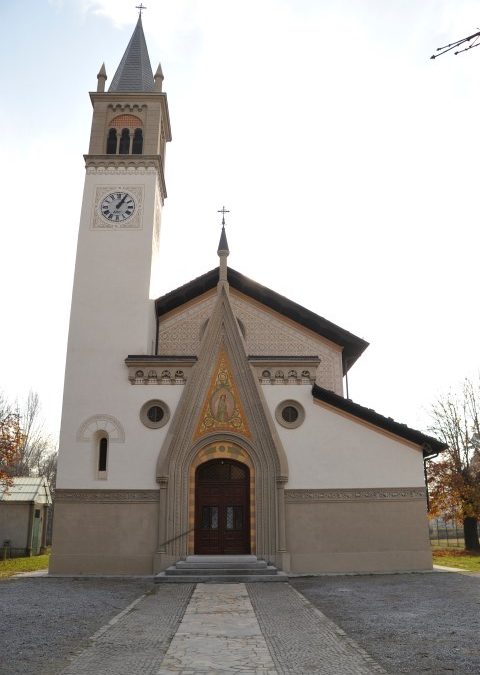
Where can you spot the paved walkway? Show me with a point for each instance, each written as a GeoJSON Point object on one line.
{"type": "Point", "coordinates": [253, 629]}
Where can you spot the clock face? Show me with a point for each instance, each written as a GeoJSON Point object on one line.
{"type": "Point", "coordinates": [117, 207]}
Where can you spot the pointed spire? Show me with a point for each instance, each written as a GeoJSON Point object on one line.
{"type": "Point", "coordinates": [158, 77]}
{"type": "Point", "coordinates": [223, 244]}
{"type": "Point", "coordinates": [223, 253]}
{"type": "Point", "coordinates": [101, 78]}
{"type": "Point", "coordinates": [135, 71]}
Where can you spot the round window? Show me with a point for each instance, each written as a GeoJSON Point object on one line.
{"type": "Point", "coordinates": [290, 414]}
{"type": "Point", "coordinates": [154, 414]}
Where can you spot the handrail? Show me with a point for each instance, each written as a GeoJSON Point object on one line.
{"type": "Point", "coordinates": [183, 534]}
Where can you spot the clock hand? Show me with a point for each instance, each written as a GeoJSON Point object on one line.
{"type": "Point", "coordinates": [121, 202]}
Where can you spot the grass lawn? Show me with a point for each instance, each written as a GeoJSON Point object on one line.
{"type": "Point", "coordinates": [15, 565]}
{"type": "Point", "coordinates": [457, 558]}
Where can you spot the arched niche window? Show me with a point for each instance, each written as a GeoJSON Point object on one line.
{"type": "Point", "coordinates": [137, 144]}
{"type": "Point", "coordinates": [102, 454]}
{"type": "Point", "coordinates": [124, 148]}
{"type": "Point", "coordinates": [112, 142]}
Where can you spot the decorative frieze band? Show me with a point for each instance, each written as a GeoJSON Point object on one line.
{"type": "Point", "coordinates": [349, 495]}
{"type": "Point", "coordinates": [107, 496]}
{"type": "Point", "coordinates": [122, 170]}
{"type": "Point", "coordinates": [159, 370]}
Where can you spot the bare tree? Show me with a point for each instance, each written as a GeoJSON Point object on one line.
{"type": "Point", "coordinates": [35, 454]}
{"type": "Point", "coordinates": [454, 479]}
{"type": "Point", "coordinates": [471, 41]}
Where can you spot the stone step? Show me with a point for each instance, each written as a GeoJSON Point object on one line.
{"type": "Point", "coordinates": [184, 564]}
{"type": "Point", "coordinates": [220, 569]}
{"type": "Point", "coordinates": [215, 571]}
{"type": "Point", "coordinates": [163, 578]}
{"type": "Point", "coordinates": [222, 558]}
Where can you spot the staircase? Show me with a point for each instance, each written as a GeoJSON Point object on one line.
{"type": "Point", "coordinates": [220, 569]}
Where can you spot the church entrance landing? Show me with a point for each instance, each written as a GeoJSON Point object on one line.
{"type": "Point", "coordinates": [222, 517]}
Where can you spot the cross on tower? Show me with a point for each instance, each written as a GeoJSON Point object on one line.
{"type": "Point", "coordinates": [223, 211]}
{"type": "Point", "coordinates": [140, 7]}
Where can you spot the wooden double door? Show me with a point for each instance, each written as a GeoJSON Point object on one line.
{"type": "Point", "coordinates": [222, 514]}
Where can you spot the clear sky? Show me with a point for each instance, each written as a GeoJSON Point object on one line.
{"type": "Point", "coordinates": [348, 159]}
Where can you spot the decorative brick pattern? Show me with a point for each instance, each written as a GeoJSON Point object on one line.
{"type": "Point", "coordinates": [126, 121]}
{"type": "Point", "coordinates": [265, 334]}
{"type": "Point", "coordinates": [180, 333]}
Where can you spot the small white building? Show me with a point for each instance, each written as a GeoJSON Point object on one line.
{"type": "Point", "coordinates": [24, 515]}
{"type": "Point", "coordinates": [213, 419]}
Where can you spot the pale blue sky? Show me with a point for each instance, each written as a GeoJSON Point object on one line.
{"type": "Point", "coordinates": [347, 157]}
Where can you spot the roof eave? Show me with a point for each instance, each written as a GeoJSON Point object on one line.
{"type": "Point", "coordinates": [430, 446]}
{"type": "Point", "coordinates": [352, 345]}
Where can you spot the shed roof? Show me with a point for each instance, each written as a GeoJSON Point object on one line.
{"type": "Point", "coordinates": [27, 489]}
{"type": "Point", "coordinates": [429, 444]}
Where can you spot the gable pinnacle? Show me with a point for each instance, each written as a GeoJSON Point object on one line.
{"type": "Point", "coordinates": [223, 244]}
{"type": "Point", "coordinates": [158, 78]}
{"type": "Point", "coordinates": [101, 78]}
{"type": "Point", "coordinates": [223, 251]}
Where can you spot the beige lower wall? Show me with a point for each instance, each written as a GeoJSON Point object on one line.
{"type": "Point", "coordinates": [326, 532]}
{"type": "Point", "coordinates": [104, 538]}
{"type": "Point", "coordinates": [358, 536]}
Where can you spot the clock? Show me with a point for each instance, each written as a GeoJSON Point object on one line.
{"type": "Point", "coordinates": [117, 207]}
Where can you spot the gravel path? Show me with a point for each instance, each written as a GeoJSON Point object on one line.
{"type": "Point", "coordinates": [44, 622]}
{"type": "Point", "coordinates": [409, 623]}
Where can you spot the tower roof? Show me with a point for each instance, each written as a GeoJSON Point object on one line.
{"type": "Point", "coordinates": [135, 71]}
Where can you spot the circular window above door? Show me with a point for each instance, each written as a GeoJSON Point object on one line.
{"type": "Point", "coordinates": [154, 414]}
{"type": "Point", "coordinates": [290, 414]}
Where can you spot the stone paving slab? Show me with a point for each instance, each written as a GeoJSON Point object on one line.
{"type": "Point", "coordinates": [136, 643]}
{"type": "Point", "coordinates": [222, 629]}
{"type": "Point", "coordinates": [301, 639]}
{"type": "Point", "coordinates": [219, 634]}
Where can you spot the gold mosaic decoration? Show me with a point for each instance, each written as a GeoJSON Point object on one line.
{"type": "Point", "coordinates": [222, 410]}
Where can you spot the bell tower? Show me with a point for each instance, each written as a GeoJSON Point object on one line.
{"type": "Point", "coordinates": [111, 314]}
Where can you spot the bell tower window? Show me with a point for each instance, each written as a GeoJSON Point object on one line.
{"type": "Point", "coordinates": [137, 144]}
{"type": "Point", "coordinates": [112, 142]}
{"type": "Point", "coordinates": [124, 148]}
{"type": "Point", "coordinates": [125, 135]}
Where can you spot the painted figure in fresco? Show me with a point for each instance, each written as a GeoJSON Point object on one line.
{"type": "Point", "coordinates": [222, 405]}
{"type": "Point", "coordinates": [222, 409]}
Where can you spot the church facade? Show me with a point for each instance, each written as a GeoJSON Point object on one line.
{"type": "Point", "coordinates": [212, 420]}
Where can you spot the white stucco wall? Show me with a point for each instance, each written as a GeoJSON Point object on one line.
{"type": "Point", "coordinates": [111, 317]}
{"type": "Point", "coordinates": [330, 450]}
{"type": "Point", "coordinates": [131, 464]}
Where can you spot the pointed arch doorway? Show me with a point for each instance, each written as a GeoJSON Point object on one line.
{"type": "Point", "coordinates": [222, 508]}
